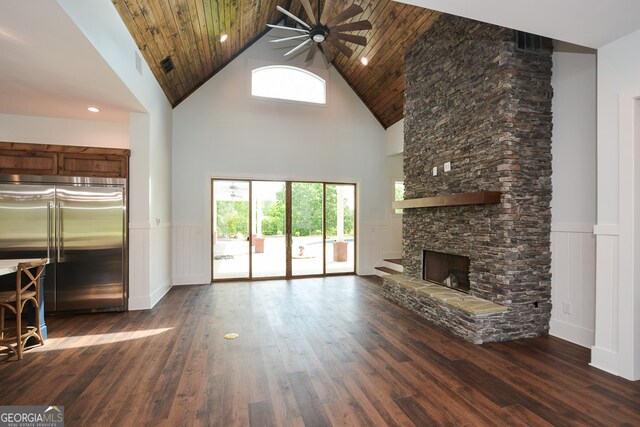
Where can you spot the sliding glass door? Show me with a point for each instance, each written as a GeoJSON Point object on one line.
{"type": "Point", "coordinates": [307, 228]}
{"type": "Point", "coordinates": [269, 228]}
{"type": "Point", "coordinates": [278, 229]}
{"type": "Point", "coordinates": [230, 229]}
{"type": "Point", "coordinates": [340, 226]}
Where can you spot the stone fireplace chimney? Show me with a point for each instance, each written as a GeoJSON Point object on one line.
{"type": "Point", "coordinates": [477, 100]}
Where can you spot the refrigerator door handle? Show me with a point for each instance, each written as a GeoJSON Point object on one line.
{"type": "Point", "coordinates": [49, 208]}
{"type": "Point", "coordinates": [59, 232]}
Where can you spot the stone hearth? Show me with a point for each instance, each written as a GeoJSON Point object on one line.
{"type": "Point", "coordinates": [474, 100]}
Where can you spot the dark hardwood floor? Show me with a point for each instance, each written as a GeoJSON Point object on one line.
{"type": "Point", "coordinates": [310, 352]}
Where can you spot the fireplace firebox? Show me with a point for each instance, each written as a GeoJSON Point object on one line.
{"type": "Point", "coordinates": [445, 269]}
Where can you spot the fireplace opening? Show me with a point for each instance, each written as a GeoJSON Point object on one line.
{"type": "Point", "coordinates": [447, 270]}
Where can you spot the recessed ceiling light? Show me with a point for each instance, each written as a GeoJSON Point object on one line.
{"type": "Point", "coordinates": [223, 38]}
{"type": "Point", "coordinates": [94, 109]}
{"type": "Point", "coordinates": [364, 60]}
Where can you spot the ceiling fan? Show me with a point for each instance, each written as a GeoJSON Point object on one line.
{"type": "Point", "coordinates": [325, 34]}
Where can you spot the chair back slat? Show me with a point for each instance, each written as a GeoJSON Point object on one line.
{"type": "Point", "coordinates": [24, 267]}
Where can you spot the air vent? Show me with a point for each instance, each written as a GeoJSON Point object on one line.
{"type": "Point", "coordinates": [528, 42]}
{"type": "Point", "coordinates": [167, 64]}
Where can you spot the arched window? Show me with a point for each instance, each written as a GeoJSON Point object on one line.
{"type": "Point", "coordinates": [290, 83]}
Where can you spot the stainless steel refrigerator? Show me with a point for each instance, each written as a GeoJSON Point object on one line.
{"type": "Point", "coordinates": [80, 225]}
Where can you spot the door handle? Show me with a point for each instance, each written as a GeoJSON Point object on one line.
{"type": "Point", "coordinates": [59, 256]}
{"type": "Point", "coordinates": [49, 207]}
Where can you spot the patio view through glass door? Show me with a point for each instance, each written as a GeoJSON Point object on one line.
{"type": "Point", "coordinates": [269, 227]}
{"type": "Point", "coordinates": [230, 229]}
{"type": "Point", "coordinates": [278, 229]}
{"type": "Point", "coordinates": [340, 223]}
{"type": "Point", "coordinates": [307, 228]}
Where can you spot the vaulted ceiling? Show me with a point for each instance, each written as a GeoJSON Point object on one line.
{"type": "Point", "coordinates": [189, 32]}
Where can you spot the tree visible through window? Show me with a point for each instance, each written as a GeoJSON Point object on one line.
{"type": "Point", "coordinates": [290, 83]}
{"type": "Point", "coordinates": [398, 187]}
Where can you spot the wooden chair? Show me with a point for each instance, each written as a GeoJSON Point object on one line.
{"type": "Point", "coordinates": [16, 300]}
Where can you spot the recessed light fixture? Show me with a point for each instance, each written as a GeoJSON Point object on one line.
{"type": "Point", "coordinates": [364, 60]}
{"type": "Point", "coordinates": [223, 38]}
{"type": "Point", "coordinates": [94, 109]}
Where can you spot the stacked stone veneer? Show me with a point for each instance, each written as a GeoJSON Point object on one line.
{"type": "Point", "coordinates": [474, 100]}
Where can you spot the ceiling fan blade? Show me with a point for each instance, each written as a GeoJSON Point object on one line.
{"type": "Point", "coordinates": [311, 54]}
{"type": "Point", "coordinates": [294, 17]}
{"type": "Point", "coordinates": [300, 30]}
{"type": "Point", "coordinates": [361, 40]}
{"type": "Point", "coordinates": [349, 12]}
{"type": "Point", "coordinates": [328, 6]}
{"type": "Point", "coordinates": [297, 48]}
{"type": "Point", "coordinates": [341, 47]}
{"type": "Point", "coordinates": [302, 36]}
{"type": "Point", "coordinates": [352, 26]}
{"type": "Point", "coordinates": [328, 55]}
{"type": "Point", "coordinates": [309, 10]}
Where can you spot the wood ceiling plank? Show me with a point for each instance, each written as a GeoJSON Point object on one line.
{"type": "Point", "coordinates": [389, 64]}
{"type": "Point", "coordinates": [376, 15]}
{"type": "Point", "coordinates": [173, 11]}
{"type": "Point", "coordinates": [205, 54]}
{"type": "Point", "coordinates": [135, 21]}
{"type": "Point", "coordinates": [391, 90]}
{"type": "Point", "coordinates": [386, 28]}
{"type": "Point", "coordinates": [383, 61]}
{"type": "Point", "coordinates": [191, 23]}
{"type": "Point", "coordinates": [394, 111]}
{"type": "Point", "coordinates": [211, 14]}
{"type": "Point", "coordinates": [182, 53]}
{"type": "Point", "coordinates": [375, 79]}
{"type": "Point", "coordinates": [170, 44]}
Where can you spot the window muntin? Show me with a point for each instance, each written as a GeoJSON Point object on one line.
{"type": "Point", "coordinates": [288, 83]}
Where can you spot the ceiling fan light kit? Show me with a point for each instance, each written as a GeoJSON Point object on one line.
{"type": "Point", "coordinates": [326, 36]}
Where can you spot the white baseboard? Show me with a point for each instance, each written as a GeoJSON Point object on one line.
{"type": "Point", "coordinates": [604, 359]}
{"type": "Point", "coordinates": [572, 333]}
{"type": "Point", "coordinates": [195, 279]}
{"type": "Point", "coordinates": [367, 271]}
{"type": "Point", "coordinates": [139, 303]}
{"type": "Point", "coordinates": [159, 294]}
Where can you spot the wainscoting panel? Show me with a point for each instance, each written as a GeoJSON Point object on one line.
{"type": "Point", "coordinates": [604, 353]}
{"type": "Point", "coordinates": [573, 283]}
{"type": "Point", "coordinates": [160, 262]}
{"type": "Point", "coordinates": [139, 270]}
{"type": "Point", "coordinates": [149, 264]}
{"type": "Point", "coordinates": [190, 254]}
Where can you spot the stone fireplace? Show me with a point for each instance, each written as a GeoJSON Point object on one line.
{"type": "Point", "coordinates": [474, 99]}
{"type": "Point", "coordinates": [447, 270]}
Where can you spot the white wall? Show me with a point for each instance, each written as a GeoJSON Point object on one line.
{"type": "Point", "coordinates": [150, 141]}
{"type": "Point", "coordinates": [394, 138]}
{"type": "Point", "coordinates": [395, 167]}
{"type": "Point", "coordinates": [573, 206]}
{"type": "Point", "coordinates": [49, 130]}
{"type": "Point", "coordinates": [221, 131]}
{"type": "Point", "coordinates": [617, 338]}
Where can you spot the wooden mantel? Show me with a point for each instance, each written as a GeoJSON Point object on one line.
{"type": "Point", "coordinates": [460, 199]}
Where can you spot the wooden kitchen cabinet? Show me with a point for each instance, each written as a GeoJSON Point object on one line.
{"type": "Point", "coordinates": [44, 159]}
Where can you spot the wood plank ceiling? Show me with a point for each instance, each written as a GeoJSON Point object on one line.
{"type": "Point", "coordinates": [189, 32]}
